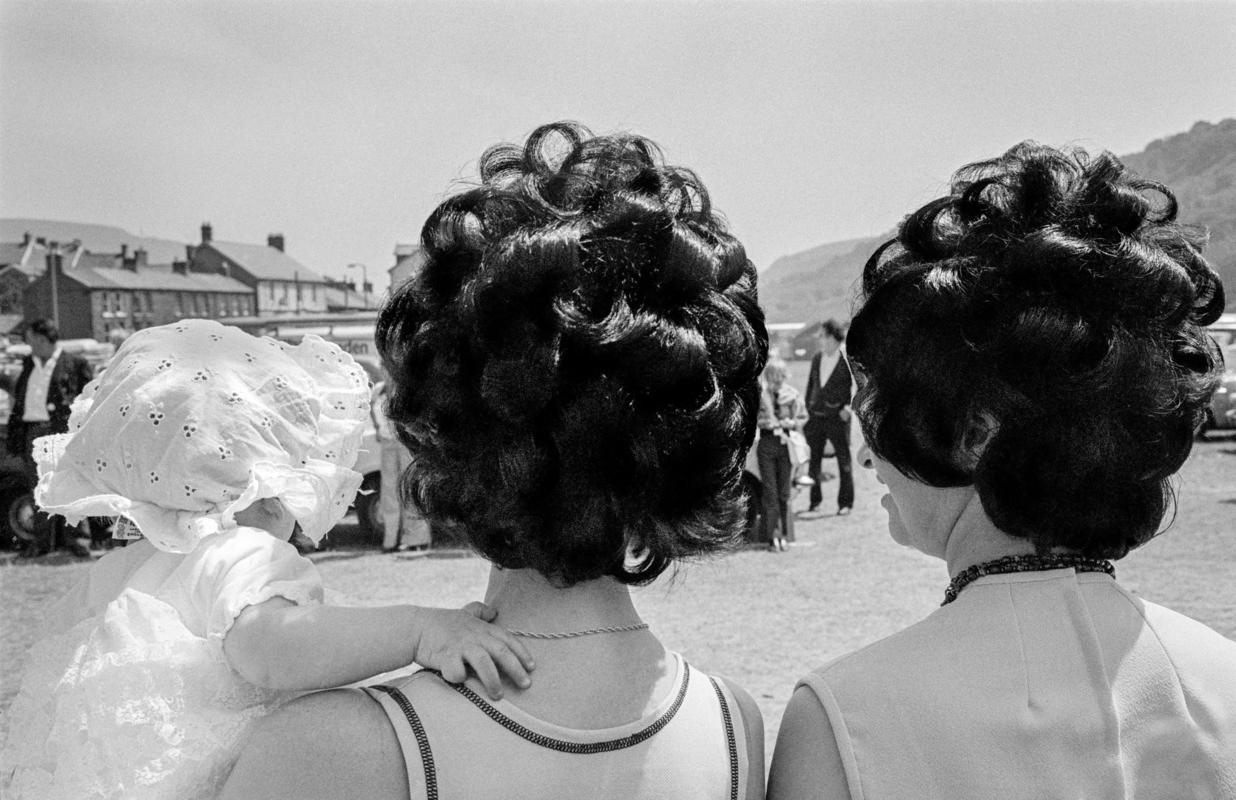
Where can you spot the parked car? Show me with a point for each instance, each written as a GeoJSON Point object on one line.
{"type": "Point", "coordinates": [368, 502]}
{"type": "Point", "coordinates": [1222, 412]}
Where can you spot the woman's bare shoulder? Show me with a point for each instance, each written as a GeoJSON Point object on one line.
{"type": "Point", "coordinates": [324, 745]}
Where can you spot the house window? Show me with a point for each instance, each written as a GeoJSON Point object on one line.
{"type": "Point", "coordinates": [313, 292]}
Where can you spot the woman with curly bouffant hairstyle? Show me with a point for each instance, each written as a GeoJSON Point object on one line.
{"type": "Point", "coordinates": [575, 371]}
{"type": "Point", "coordinates": [1032, 365]}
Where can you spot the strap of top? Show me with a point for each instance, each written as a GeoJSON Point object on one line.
{"type": "Point", "coordinates": [413, 738]}
{"type": "Point", "coordinates": [738, 745]}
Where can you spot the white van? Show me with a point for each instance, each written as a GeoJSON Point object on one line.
{"type": "Point", "coordinates": [356, 339]}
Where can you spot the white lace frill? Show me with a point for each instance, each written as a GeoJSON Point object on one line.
{"type": "Point", "coordinates": [129, 705]}
{"type": "Point", "coordinates": [192, 422]}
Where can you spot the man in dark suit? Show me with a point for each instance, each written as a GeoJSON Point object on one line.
{"type": "Point", "coordinates": [45, 388]}
{"type": "Point", "coordinates": [828, 407]}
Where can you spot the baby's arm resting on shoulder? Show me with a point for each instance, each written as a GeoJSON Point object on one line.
{"type": "Point", "coordinates": [281, 645]}
{"type": "Point", "coordinates": [807, 761]}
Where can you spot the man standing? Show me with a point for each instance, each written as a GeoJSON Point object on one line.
{"type": "Point", "coordinates": [828, 406]}
{"type": "Point", "coordinates": [49, 381]}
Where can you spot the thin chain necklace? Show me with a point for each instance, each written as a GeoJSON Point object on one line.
{"type": "Point", "coordinates": [639, 626]}
{"type": "Point", "coordinates": [1027, 563]}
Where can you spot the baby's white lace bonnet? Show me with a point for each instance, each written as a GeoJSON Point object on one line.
{"type": "Point", "coordinates": [194, 421]}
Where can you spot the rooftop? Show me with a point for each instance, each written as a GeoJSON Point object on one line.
{"type": "Point", "coordinates": [265, 262]}
{"type": "Point", "coordinates": [154, 277]}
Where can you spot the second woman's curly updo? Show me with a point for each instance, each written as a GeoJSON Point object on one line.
{"type": "Point", "coordinates": [1052, 299]}
{"type": "Point", "coordinates": [575, 367]}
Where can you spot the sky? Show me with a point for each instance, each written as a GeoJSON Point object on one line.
{"type": "Point", "coordinates": [342, 124]}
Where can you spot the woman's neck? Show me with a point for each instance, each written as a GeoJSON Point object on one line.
{"type": "Point", "coordinates": [975, 539]}
{"type": "Point", "coordinates": [526, 600]}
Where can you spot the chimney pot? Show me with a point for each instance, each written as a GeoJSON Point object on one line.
{"type": "Point", "coordinates": [207, 232]}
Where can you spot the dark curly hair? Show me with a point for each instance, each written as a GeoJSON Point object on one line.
{"type": "Point", "coordinates": [575, 368]}
{"type": "Point", "coordinates": [1052, 294]}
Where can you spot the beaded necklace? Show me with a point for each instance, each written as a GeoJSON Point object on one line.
{"type": "Point", "coordinates": [1027, 563]}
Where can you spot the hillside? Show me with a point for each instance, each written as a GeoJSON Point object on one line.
{"type": "Point", "coordinates": [815, 284]}
{"type": "Point", "coordinates": [1199, 166]}
{"type": "Point", "coordinates": [95, 238]}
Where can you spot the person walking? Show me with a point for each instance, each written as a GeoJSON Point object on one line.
{"type": "Point", "coordinates": [828, 407]}
{"type": "Point", "coordinates": [49, 381]}
{"type": "Point", "coordinates": [780, 422]}
{"type": "Point", "coordinates": [402, 527]}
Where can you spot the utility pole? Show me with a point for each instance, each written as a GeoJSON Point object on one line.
{"type": "Point", "coordinates": [53, 270]}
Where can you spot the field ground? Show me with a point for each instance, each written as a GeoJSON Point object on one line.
{"type": "Point", "coordinates": [758, 617]}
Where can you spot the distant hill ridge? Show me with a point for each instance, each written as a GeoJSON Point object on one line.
{"type": "Point", "coordinates": [95, 238]}
{"type": "Point", "coordinates": [1199, 166]}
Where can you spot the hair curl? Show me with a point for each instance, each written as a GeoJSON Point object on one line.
{"type": "Point", "coordinates": [1050, 293]}
{"type": "Point", "coordinates": [575, 368]}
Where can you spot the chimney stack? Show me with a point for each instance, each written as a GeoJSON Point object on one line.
{"type": "Point", "coordinates": [25, 239]}
{"type": "Point", "coordinates": [207, 232]}
{"type": "Point", "coordinates": [275, 240]}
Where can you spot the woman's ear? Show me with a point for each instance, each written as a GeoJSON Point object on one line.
{"type": "Point", "coordinates": [980, 428]}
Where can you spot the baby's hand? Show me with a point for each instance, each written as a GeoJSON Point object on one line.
{"type": "Point", "coordinates": [453, 641]}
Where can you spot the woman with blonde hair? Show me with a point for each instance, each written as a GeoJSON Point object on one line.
{"type": "Point", "coordinates": [781, 419]}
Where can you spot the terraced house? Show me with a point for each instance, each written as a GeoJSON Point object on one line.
{"type": "Point", "coordinates": [280, 284]}
{"type": "Point", "coordinates": [96, 293]}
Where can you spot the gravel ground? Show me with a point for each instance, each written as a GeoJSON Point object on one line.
{"type": "Point", "coordinates": [758, 617]}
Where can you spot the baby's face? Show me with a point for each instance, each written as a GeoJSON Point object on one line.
{"type": "Point", "coordinates": [270, 515]}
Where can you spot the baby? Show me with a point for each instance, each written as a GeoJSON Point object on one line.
{"type": "Point", "coordinates": [215, 446]}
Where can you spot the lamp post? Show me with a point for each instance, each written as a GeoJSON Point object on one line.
{"type": "Point", "coordinates": [364, 282]}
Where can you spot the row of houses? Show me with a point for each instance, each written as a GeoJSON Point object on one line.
{"type": "Point", "coordinates": [96, 293]}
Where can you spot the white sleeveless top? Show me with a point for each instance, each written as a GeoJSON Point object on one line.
{"type": "Point", "coordinates": [457, 744]}
{"type": "Point", "coordinates": [1038, 686]}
